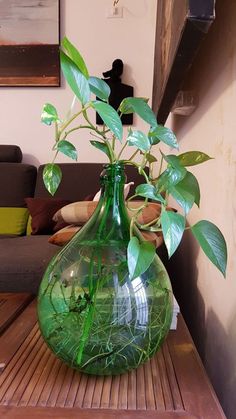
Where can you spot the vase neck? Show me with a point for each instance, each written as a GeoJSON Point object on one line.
{"type": "Point", "coordinates": [112, 181]}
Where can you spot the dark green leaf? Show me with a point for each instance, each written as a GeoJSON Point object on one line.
{"type": "Point", "coordinates": [49, 114]}
{"type": "Point", "coordinates": [76, 80]}
{"type": "Point", "coordinates": [140, 107]}
{"type": "Point", "coordinates": [52, 177]}
{"type": "Point", "coordinates": [191, 158]}
{"type": "Point", "coordinates": [190, 184]}
{"type": "Point", "coordinates": [170, 177]}
{"type": "Point", "coordinates": [139, 139]}
{"type": "Point", "coordinates": [99, 87]}
{"type": "Point", "coordinates": [68, 149]}
{"type": "Point", "coordinates": [160, 133]}
{"type": "Point", "coordinates": [212, 243]}
{"type": "Point", "coordinates": [184, 198]}
{"type": "Point", "coordinates": [173, 226]}
{"type": "Point", "coordinates": [173, 161]}
{"type": "Point", "coordinates": [101, 146]}
{"type": "Point", "coordinates": [75, 56]}
{"type": "Point", "coordinates": [140, 256]}
{"type": "Point", "coordinates": [149, 191]}
{"type": "Point", "coordinates": [110, 117]}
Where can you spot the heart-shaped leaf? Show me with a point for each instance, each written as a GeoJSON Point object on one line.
{"type": "Point", "coordinates": [212, 243]}
{"type": "Point", "coordinates": [140, 107]}
{"type": "Point", "coordinates": [191, 158]}
{"type": "Point", "coordinates": [139, 139]}
{"type": "Point", "coordinates": [173, 226]}
{"type": "Point", "coordinates": [99, 87]}
{"type": "Point", "coordinates": [190, 184]}
{"type": "Point", "coordinates": [110, 117]}
{"type": "Point", "coordinates": [160, 133]}
{"type": "Point", "coordinates": [75, 56]}
{"type": "Point", "coordinates": [76, 80]}
{"type": "Point", "coordinates": [140, 256]}
{"type": "Point", "coordinates": [101, 146]}
{"type": "Point", "coordinates": [68, 149]}
{"type": "Point", "coordinates": [184, 198]}
{"type": "Point", "coordinates": [49, 114]}
{"type": "Point", "coordinates": [149, 191]}
{"type": "Point", "coordinates": [52, 177]}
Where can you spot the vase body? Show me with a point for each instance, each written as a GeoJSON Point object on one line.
{"type": "Point", "coordinates": [91, 314]}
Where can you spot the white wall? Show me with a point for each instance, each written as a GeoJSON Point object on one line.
{"type": "Point", "coordinates": [209, 300]}
{"type": "Point", "coordinates": [100, 41]}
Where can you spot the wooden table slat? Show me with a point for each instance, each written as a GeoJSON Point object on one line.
{"type": "Point", "coordinates": [35, 384]}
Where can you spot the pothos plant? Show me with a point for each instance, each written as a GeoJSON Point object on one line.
{"type": "Point", "coordinates": [173, 178]}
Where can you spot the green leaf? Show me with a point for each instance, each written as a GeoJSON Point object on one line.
{"type": "Point", "coordinates": [52, 177]}
{"type": "Point", "coordinates": [76, 80]}
{"type": "Point", "coordinates": [99, 87]}
{"type": "Point", "coordinates": [110, 117]}
{"type": "Point", "coordinates": [184, 198]}
{"type": "Point", "coordinates": [75, 56]}
{"type": "Point", "coordinates": [149, 191]}
{"type": "Point", "coordinates": [173, 226]}
{"type": "Point", "coordinates": [191, 158]}
{"type": "Point", "coordinates": [49, 114]}
{"type": "Point", "coordinates": [170, 177]}
{"type": "Point", "coordinates": [101, 146]}
{"type": "Point", "coordinates": [150, 158]}
{"type": "Point", "coordinates": [139, 139]}
{"type": "Point", "coordinates": [68, 149]}
{"type": "Point", "coordinates": [140, 107]}
{"type": "Point", "coordinates": [160, 133]}
{"type": "Point", "coordinates": [140, 256]}
{"type": "Point", "coordinates": [190, 184]}
{"type": "Point", "coordinates": [212, 243]}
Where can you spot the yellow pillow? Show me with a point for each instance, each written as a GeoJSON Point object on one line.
{"type": "Point", "coordinates": [13, 220]}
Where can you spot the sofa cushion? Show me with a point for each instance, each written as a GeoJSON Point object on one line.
{"type": "Point", "coordinates": [10, 153]}
{"type": "Point", "coordinates": [17, 181]}
{"type": "Point", "coordinates": [13, 220]}
{"type": "Point", "coordinates": [23, 261]}
{"type": "Point", "coordinates": [42, 211]}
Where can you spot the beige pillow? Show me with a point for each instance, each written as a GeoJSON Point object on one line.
{"type": "Point", "coordinates": [63, 236]}
{"type": "Point", "coordinates": [78, 213]}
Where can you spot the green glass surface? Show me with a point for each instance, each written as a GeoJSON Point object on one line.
{"type": "Point", "coordinates": [91, 314]}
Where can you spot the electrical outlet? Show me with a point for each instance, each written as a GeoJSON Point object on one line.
{"type": "Point", "coordinates": [115, 12]}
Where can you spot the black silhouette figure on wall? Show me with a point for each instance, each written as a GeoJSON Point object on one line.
{"type": "Point", "coordinates": [119, 90]}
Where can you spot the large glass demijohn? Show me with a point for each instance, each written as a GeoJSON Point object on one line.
{"type": "Point", "coordinates": [91, 314]}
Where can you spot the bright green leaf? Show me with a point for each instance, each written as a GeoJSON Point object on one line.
{"type": "Point", "coordinates": [150, 158]}
{"type": "Point", "coordinates": [99, 87]}
{"type": "Point", "coordinates": [160, 133]}
{"type": "Point", "coordinates": [52, 177]}
{"type": "Point", "coordinates": [191, 158]}
{"type": "Point", "coordinates": [140, 107]}
{"type": "Point", "coordinates": [170, 177]}
{"type": "Point", "coordinates": [49, 114]}
{"type": "Point", "coordinates": [140, 256]}
{"type": "Point", "coordinates": [75, 56]}
{"type": "Point", "coordinates": [173, 226]}
{"type": "Point", "coordinates": [76, 80]}
{"type": "Point", "coordinates": [139, 139]}
{"type": "Point", "coordinates": [110, 117]}
{"type": "Point", "coordinates": [212, 243]}
{"type": "Point", "coordinates": [149, 191]}
{"type": "Point", "coordinates": [68, 149]}
{"type": "Point", "coordinates": [101, 146]}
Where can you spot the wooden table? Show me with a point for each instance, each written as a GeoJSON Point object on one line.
{"type": "Point", "coordinates": [35, 384]}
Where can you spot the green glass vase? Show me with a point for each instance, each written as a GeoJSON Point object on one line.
{"type": "Point", "coordinates": [91, 314]}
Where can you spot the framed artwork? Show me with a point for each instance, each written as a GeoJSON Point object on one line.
{"type": "Point", "coordinates": [29, 43]}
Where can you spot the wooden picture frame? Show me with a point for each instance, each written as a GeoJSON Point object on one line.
{"type": "Point", "coordinates": [29, 43]}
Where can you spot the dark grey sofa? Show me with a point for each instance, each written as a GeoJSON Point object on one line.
{"type": "Point", "coordinates": [23, 259]}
